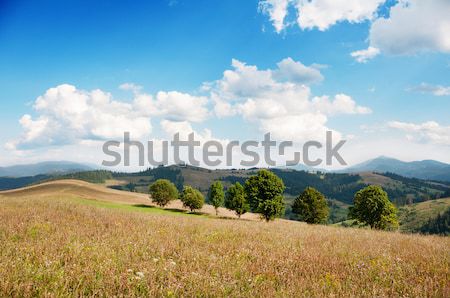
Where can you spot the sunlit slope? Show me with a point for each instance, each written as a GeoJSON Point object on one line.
{"type": "Point", "coordinates": [414, 216]}
{"type": "Point", "coordinates": [72, 189]}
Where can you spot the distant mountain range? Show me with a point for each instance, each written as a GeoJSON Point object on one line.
{"type": "Point", "coordinates": [44, 168]}
{"type": "Point", "coordinates": [424, 169]}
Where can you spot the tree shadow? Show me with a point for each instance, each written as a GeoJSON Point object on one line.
{"type": "Point", "coordinates": [175, 210]}
{"type": "Point", "coordinates": [197, 213]}
{"type": "Point", "coordinates": [143, 206]}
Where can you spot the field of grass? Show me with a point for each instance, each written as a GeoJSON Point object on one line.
{"type": "Point", "coordinates": [60, 244]}
{"type": "Point", "coordinates": [412, 217]}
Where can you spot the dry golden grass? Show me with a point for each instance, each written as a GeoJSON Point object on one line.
{"type": "Point", "coordinates": [99, 192]}
{"type": "Point", "coordinates": [54, 245]}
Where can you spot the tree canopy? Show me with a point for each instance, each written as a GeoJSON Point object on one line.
{"type": "Point", "coordinates": [372, 207]}
{"type": "Point", "coordinates": [235, 199]}
{"type": "Point", "coordinates": [311, 206]}
{"type": "Point", "coordinates": [264, 193]}
{"type": "Point", "coordinates": [192, 198]}
{"type": "Point", "coordinates": [216, 195]}
{"type": "Point", "coordinates": [162, 191]}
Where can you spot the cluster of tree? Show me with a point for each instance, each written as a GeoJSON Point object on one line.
{"type": "Point", "coordinates": [98, 176]}
{"type": "Point", "coordinates": [171, 173]}
{"type": "Point", "coordinates": [163, 191]}
{"type": "Point", "coordinates": [16, 182]}
{"type": "Point", "coordinates": [263, 193]}
{"type": "Point", "coordinates": [439, 225]}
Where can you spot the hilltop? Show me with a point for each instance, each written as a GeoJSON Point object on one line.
{"type": "Point", "coordinates": [90, 193]}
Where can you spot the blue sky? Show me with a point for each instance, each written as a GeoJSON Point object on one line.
{"type": "Point", "coordinates": [400, 94]}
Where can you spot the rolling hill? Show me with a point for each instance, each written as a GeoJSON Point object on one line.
{"type": "Point", "coordinates": [77, 189]}
{"type": "Point", "coordinates": [72, 238]}
{"type": "Point", "coordinates": [413, 217]}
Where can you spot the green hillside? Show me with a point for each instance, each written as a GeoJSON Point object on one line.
{"type": "Point", "coordinates": [413, 217]}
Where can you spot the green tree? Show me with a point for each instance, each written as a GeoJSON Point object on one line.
{"type": "Point", "coordinates": [192, 198]}
{"type": "Point", "coordinates": [311, 206]}
{"type": "Point", "coordinates": [264, 192]}
{"type": "Point", "coordinates": [371, 206]}
{"type": "Point", "coordinates": [162, 191]}
{"type": "Point", "coordinates": [216, 195]}
{"type": "Point", "coordinates": [235, 199]}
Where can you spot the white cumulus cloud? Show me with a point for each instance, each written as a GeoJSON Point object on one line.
{"type": "Point", "coordinates": [67, 115]}
{"type": "Point", "coordinates": [179, 106]}
{"type": "Point", "coordinates": [279, 100]}
{"type": "Point", "coordinates": [322, 14]}
{"type": "Point", "coordinates": [413, 26]}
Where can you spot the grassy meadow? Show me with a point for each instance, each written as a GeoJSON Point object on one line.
{"type": "Point", "coordinates": [56, 243]}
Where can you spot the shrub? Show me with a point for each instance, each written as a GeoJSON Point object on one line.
{"type": "Point", "coordinates": [311, 206]}
{"type": "Point", "coordinates": [192, 198]}
{"type": "Point", "coordinates": [235, 199]}
{"type": "Point", "coordinates": [216, 195]}
{"type": "Point", "coordinates": [264, 192]}
{"type": "Point", "coordinates": [372, 207]}
{"type": "Point", "coordinates": [162, 191]}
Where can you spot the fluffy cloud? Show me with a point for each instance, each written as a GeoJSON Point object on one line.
{"type": "Point", "coordinates": [362, 56]}
{"type": "Point", "coordinates": [320, 14]}
{"type": "Point", "coordinates": [413, 26]}
{"type": "Point", "coordinates": [279, 100]}
{"type": "Point", "coordinates": [295, 71]}
{"type": "Point", "coordinates": [67, 115]}
{"type": "Point", "coordinates": [427, 132]}
{"type": "Point", "coordinates": [342, 104]}
{"type": "Point", "coordinates": [179, 106]}
{"type": "Point", "coordinates": [436, 90]}
{"type": "Point", "coordinates": [184, 128]}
